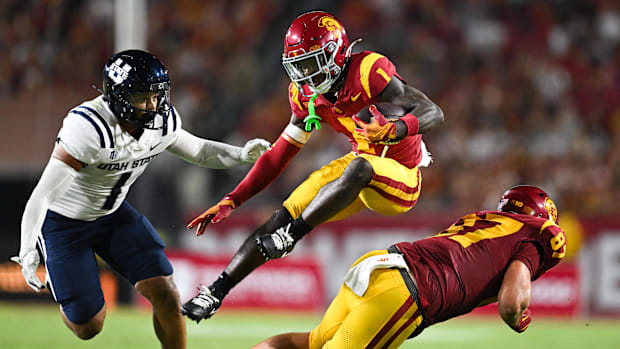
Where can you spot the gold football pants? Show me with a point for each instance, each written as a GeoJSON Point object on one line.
{"type": "Point", "coordinates": [393, 189]}
{"type": "Point", "coordinates": [384, 317]}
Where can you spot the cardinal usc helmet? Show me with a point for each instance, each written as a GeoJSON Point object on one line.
{"type": "Point", "coordinates": [530, 200]}
{"type": "Point", "coordinates": [136, 77]}
{"type": "Point", "coordinates": [316, 48]}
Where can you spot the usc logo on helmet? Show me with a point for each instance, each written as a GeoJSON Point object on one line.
{"type": "Point", "coordinates": [551, 209]}
{"type": "Point", "coordinates": [331, 24]}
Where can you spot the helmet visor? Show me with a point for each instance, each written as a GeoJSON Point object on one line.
{"type": "Point", "coordinates": [312, 69]}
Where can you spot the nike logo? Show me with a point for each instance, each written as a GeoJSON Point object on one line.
{"type": "Point", "coordinates": [155, 146]}
{"type": "Point", "coordinates": [354, 98]}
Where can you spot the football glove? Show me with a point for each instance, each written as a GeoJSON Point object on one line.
{"type": "Point", "coordinates": [378, 130]}
{"type": "Point", "coordinates": [215, 214]}
{"type": "Point", "coordinates": [29, 262]}
{"type": "Point", "coordinates": [524, 322]}
{"type": "Point", "coordinates": [253, 149]}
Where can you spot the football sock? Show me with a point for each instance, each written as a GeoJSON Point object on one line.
{"type": "Point", "coordinates": [222, 286]}
{"type": "Point", "coordinates": [299, 228]}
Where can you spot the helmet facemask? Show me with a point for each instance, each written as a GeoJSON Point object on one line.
{"type": "Point", "coordinates": [147, 110]}
{"type": "Point", "coordinates": [316, 68]}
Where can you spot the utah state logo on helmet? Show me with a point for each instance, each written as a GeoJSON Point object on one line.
{"type": "Point", "coordinates": [133, 72]}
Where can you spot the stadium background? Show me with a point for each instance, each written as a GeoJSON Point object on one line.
{"type": "Point", "coordinates": [530, 91]}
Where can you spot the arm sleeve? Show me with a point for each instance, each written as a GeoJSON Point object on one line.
{"type": "Point", "coordinates": [267, 168]}
{"type": "Point", "coordinates": [54, 181]}
{"type": "Point", "coordinates": [204, 152]}
{"type": "Point", "coordinates": [529, 255]}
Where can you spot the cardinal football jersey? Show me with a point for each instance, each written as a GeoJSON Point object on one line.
{"type": "Point", "coordinates": [112, 158]}
{"type": "Point", "coordinates": [366, 76]}
{"type": "Point", "coordinates": [463, 267]}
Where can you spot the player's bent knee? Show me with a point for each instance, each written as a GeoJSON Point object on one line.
{"type": "Point", "coordinates": [359, 171]}
{"type": "Point", "coordinates": [83, 326]}
{"type": "Point", "coordinates": [83, 311]}
{"type": "Point", "coordinates": [88, 331]}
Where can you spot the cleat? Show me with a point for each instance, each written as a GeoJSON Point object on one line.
{"type": "Point", "coordinates": [276, 245]}
{"type": "Point", "coordinates": [202, 306]}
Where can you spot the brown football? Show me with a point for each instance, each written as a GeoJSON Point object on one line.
{"type": "Point", "coordinates": [389, 110]}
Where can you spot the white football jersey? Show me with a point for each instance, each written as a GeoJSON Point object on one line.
{"type": "Point", "coordinates": [113, 158]}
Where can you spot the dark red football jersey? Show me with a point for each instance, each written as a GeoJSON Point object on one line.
{"type": "Point", "coordinates": [367, 74]}
{"type": "Point", "coordinates": [463, 266]}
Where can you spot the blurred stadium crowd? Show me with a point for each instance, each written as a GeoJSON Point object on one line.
{"type": "Point", "coordinates": [530, 89]}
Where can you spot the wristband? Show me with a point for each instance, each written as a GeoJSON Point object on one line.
{"type": "Point", "coordinates": [412, 123]}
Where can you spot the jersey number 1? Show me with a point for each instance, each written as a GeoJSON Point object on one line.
{"type": "Point", "coordinates": [109, 201]}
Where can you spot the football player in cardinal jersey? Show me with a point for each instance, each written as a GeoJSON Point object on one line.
{"type": "Point", "coordinates": [391, 295]}
{"type": "Point", "coordinates": [330, 84]}
{"type": "Point", "coordinates": [78, 207]}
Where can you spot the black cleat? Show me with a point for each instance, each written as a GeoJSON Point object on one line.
{"type": "Point", "coordinates": [203, 306]}
{"type": "Point", "coordinates": [276, 245]}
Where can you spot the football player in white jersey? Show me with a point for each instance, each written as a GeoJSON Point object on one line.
{"type": "Point", "coordinates": [78, 207]}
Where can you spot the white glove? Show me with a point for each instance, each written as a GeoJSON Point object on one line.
{"type": "Point", "coordinates": [253, 149]}
{"type": "Point", "coordinates": [29, 263]}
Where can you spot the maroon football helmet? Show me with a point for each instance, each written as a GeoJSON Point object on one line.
{"type": "Point", "coordinates": [316, 48]}
{"type": "Point", "coordinates": [530, 200]}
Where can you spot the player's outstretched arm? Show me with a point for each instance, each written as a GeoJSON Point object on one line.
{"type": "Point", "coordinates": [514, 297]}
{"type": "Point", "coordinates": [266, 169]}
{"type": "Point", "coordinates": [55, 180]}
{"type": "Point", "coordinates": [429, 116]}
{"type": "Point", "coordinates": [212, 154]}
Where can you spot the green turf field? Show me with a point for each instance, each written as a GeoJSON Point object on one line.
{"type": "Point", "coordinates": [40, 326]}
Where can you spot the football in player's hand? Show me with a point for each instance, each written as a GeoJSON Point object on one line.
{"type": "Point", "coordinates": [389, 110]}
